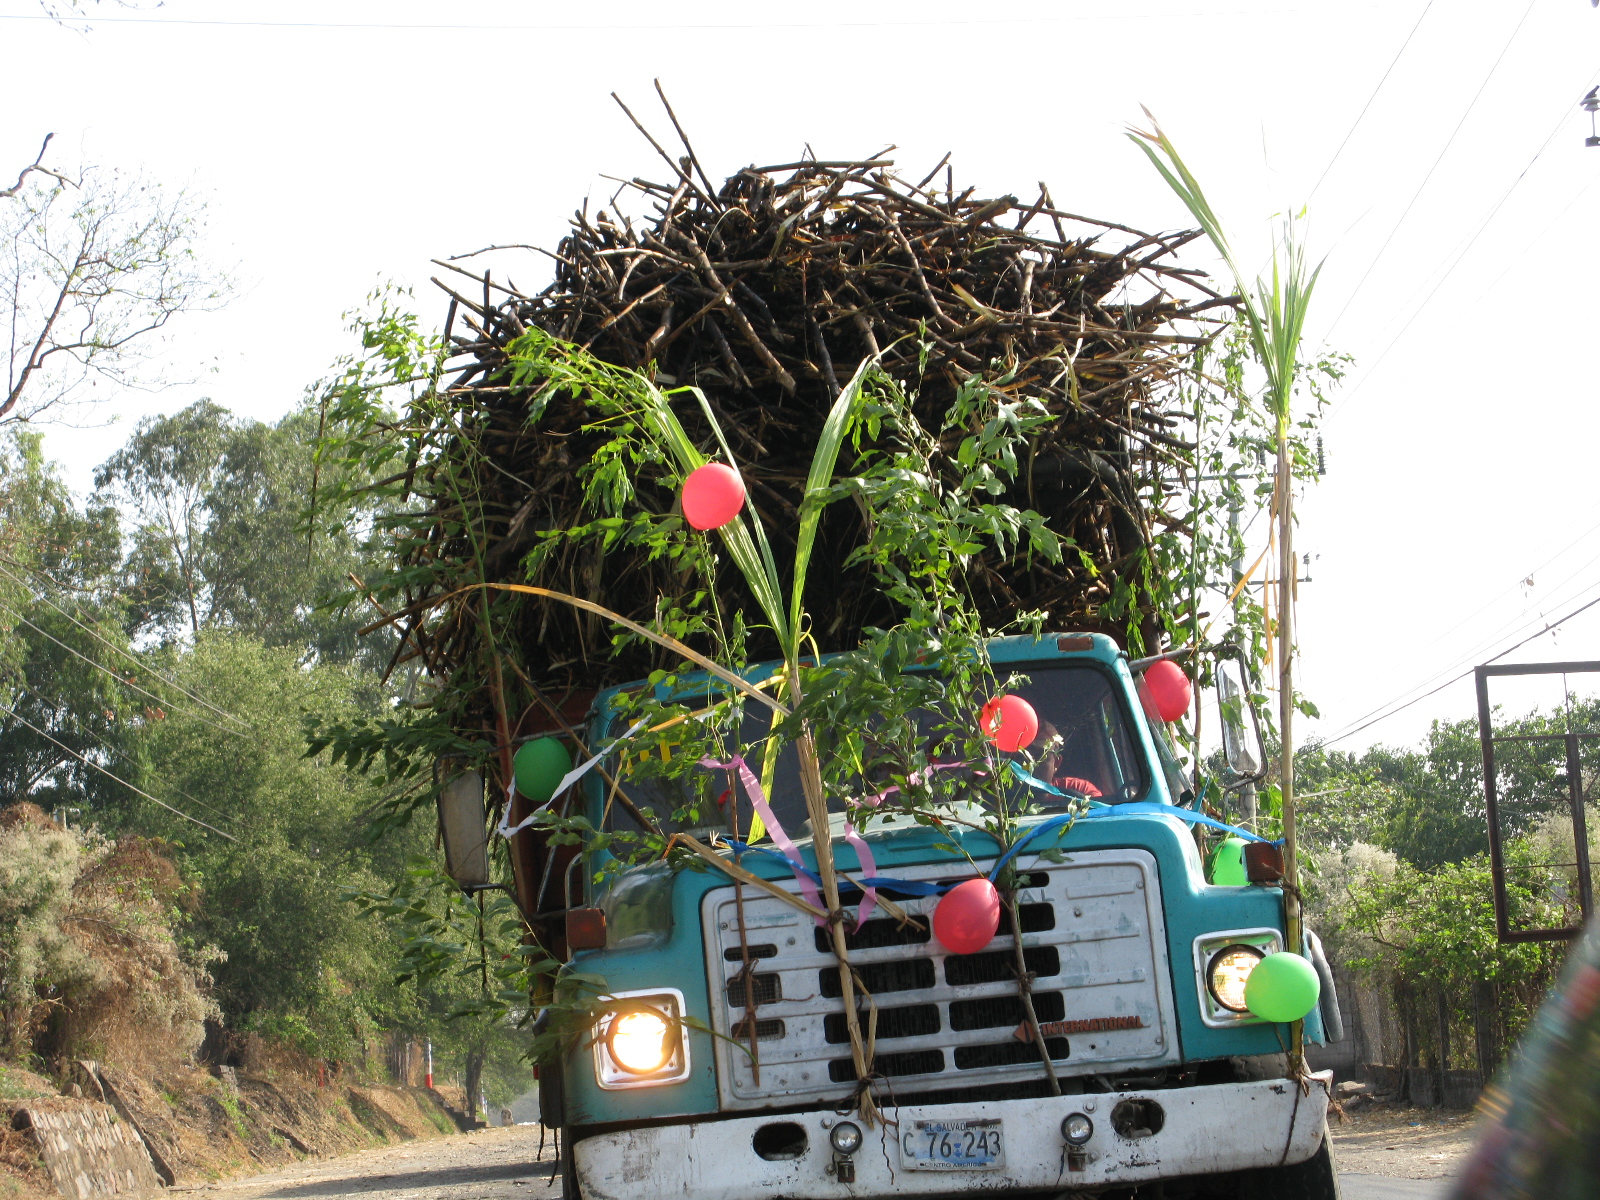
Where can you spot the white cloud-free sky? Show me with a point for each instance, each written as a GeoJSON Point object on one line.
{"type": "Point", "coordinates": [343, 143]}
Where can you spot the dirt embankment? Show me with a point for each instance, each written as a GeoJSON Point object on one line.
{"type": "Point", "coordinates": [199, 1127]}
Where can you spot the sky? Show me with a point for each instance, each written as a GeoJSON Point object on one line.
{"type": "Point", "coordinates": [1437, 149]}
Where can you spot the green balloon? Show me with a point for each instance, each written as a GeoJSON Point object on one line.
{"type": "Point", "coordinates": [1227, 864]}
{"type": "Point", "coordinates": [1283, 987]}
{"type": "Point", "coordinates": [538, 767]}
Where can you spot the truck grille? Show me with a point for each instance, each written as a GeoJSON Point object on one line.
{"type": "Point", "coordinates": [1093, 937]}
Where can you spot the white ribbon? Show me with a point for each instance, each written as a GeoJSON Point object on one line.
{"type": "Point", "coordinates": [567, 780]}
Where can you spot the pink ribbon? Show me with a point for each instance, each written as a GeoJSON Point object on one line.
{"type": "Point", "coordinates": [915, 777]}
{"type": "Point", "coordinates": [869, 868]}
{"type": "Point", "coordinates": [758, 801]}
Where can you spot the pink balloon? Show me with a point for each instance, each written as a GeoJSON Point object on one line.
{"type": "Point", "coordinates": [967, 916]}
{"type": "Point", "coordinates": [712, 496]}
{"type": "Point", "coordinates": [1009, 722]}
{"type": "Point", "coordinates": [1169, 689]}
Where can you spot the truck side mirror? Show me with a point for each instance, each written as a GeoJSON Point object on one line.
{"type": "Point", "coordinates": [1231, 700]}
{"type": "Point", "coordinates": [463, 828]}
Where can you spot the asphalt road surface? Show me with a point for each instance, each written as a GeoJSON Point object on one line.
{"type": "Point", "coordinates": [506, 1164]}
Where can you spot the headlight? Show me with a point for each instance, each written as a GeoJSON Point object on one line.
{"type": "Point", "coordinates": [1227, 974]}
{"type": "Point", "coordinates": [640, 1042]}
{"type": "Point", "coordinates": [846, 1137]}
{"type": "Point", "coordinates": [1077, 1129]}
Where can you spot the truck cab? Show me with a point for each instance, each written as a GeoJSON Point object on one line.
{"type": "Point", "coordinates": [1162, 1076]}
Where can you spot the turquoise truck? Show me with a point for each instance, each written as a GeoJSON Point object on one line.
{"type": "Point", "coordinates": [722, 1068]}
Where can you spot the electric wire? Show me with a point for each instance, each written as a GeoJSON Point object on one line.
{"type": "Point", "coordinates": [1513, 586]}
{"type": "Point", "coordinates": [658, 26]}
{"type": "Point", "coordinates": [1465, 674]}
{"type": "Point", "coordinates": [58, 704]}
{"type": "Point", "coordinates": [1456, 262]}
{"type": "Point", "coordinates": [1417, 195]}
{"type": "Point", "coordinates": [1539, 237]}
{"type": "Point", "coordinates": [115, 649]}
{"type": "Point", "coordinates": [1482, 646]}
{"type": "Point", "coordinates": [1362, 114]}
{"type": "Point", "coordinates": [17, 616]}
{"type": "Point", "coordinates": [131, 787]}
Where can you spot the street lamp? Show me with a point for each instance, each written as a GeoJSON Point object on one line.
{"type": "Point", "coordinates": [1591, 104]}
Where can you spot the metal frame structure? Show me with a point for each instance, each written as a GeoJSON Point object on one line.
{"type": "Point", "coordinates": [1580, 831]}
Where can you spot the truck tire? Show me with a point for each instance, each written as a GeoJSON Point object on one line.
{"type": "Point", "coordinates": [569, 1170]}
{"type": "Point", "coordinates": [1314, 1179]}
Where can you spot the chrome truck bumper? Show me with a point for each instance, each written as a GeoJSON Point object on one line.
{"type": "Point", "coordinates": [1203, 1130]}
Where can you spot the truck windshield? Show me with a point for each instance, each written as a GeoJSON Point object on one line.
{"type": "Point", "coordinates": [1085, 746]}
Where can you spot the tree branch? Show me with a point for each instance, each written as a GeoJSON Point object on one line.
{"type": "Point", "coordinates": [36, 165]}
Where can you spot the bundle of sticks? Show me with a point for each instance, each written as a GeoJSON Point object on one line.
{"type": "Point", "coordinates": [766, 292]}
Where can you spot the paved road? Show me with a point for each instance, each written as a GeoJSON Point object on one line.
{"type": "Point", "coordinates": [505, 1164]}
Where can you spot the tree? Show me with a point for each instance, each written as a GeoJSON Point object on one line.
{"type": "Point", "coordinates": [1426, 804]}
{"type": "Point", "coordinates": [298, 962]}
{"type": "Point", "coordinates": [216, 541]}
{"type": "Point", "coordinates": [90, 269]}
{"type": "Point", "coordinates": [54, 563]}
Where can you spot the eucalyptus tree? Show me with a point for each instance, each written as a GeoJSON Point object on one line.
{"type": "Point", "coordinates": [93, 265]}
{"type": "Point", "coordinates": [215, 539]}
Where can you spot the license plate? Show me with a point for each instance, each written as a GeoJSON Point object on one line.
{"type": "Point", "coordinates": [976, 1145]}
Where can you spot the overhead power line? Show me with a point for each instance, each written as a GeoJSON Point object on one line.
{"type": "Point", "coordinates": [1417, 195]}
{"type": "Point", "coordinates": [665, 26]}
{"type": "Point", "coordinates": [1538, 237]}
{"type": "Point", "coordinates": [1529, 574]}
{"type": "Point", "coordinates": [115, 649]}
{"type": "Point", "coordinates": [1362, 114]}
{"type": "Point", "coordinates": [17, 616]}
{"type": "Point", "coordinates": [90, 763]}
{"type": "Point", "coordinates": [1461, 254]}
{"type": "Point", "coordinates": [1465, 674]}
{"type": "Point", "coordinates": [58, 704]}
{"type": "Point", "coordinates": [1481, 647]}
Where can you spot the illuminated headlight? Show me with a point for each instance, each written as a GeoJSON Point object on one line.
{"type": "Point", "coordinates": [845, 1137]}
{"type": "Point", "coordinates": [1227, 974]}
{"type": "Point", "coordinates": [639, 1042]}
{"type": "Point", "coordinates": [1077, 1129]}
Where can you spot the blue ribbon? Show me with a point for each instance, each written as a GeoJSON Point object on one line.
{"type": "Point", "coordinates": [1149, 808]}
{"type": "Point", "coordinates": [1034, 781]}
{"type": "Point", "coordinates": [915, 887]}
{"type": "Point", "coordinates": [912, 887]}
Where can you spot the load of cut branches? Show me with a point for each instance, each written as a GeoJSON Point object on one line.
{"type": "Point", "coordinates": [766, 293]}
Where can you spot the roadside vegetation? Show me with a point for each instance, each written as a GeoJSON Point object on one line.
{"type": "Point", "coordinates": [174, 868]}
{"type": "Point", "coordinates": [1399, 877]}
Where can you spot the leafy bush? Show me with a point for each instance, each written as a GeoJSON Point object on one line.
{"type": "Point", "coordinates": [91, 959]}
{"type": "Point", "coordinates": [1428, 937]}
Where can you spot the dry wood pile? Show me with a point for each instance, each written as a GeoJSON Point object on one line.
{"type": "Point", "coordinates": [767, 292]}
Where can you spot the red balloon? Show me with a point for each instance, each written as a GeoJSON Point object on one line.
{"type": "Point", "coordinates": [1169, 689]}
{"type": "Point", "coordinates": [712, 496]}
{"type": "Point", "coordinates": [967, 916]}
{"type": "Point", "coordinates": [1009, 722]}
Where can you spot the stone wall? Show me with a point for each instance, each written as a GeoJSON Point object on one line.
{"type": "Point", "coordinates": [89, 1150]}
